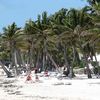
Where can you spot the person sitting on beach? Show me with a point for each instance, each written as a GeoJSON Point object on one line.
{"type": "Point", "coordinates": [46, 73]}
{"type": "Point", "coordinates": [29, 77]}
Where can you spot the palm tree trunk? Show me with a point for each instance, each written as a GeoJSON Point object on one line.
{"type": "Point", "coordinates": [44, 59]}
{"type": "Point", "coordinates": [95, 56]}
{"type": "Point", "coordinates": [23, 60]}
{"type": "Point", "coordinates": [66, 62]}
{"type": "Point", "coordinates": [37, 61]}
{"type": "Point", "coordinates": [85, 60]}
{"type": "Point", "coordinates": [71, 75]}
{"type": "Point", "coordinates": [28, 56]}
{"type": "Point", "coordinates": [19, 59]}
{"type": "Point", "coordinates": [50, 57]}
{"type": "Point", "coordinates": [8, 73]}
{"type": "Point", "coordinates": [31, 57]}
{"type": "Point", "coordinates": [15, 59]}
{"type": "Point", "coordinates": [12, 57]}
{"type": "Point", "coordinates": [96, 59]}
{"type": "Point", "coordinates": [29, 61]}
{"type": "Point", "coordinates": [44, 54]}
{"type": "Point", "coordinates": [88, 69]}
{"type": "Point", "coordinates": [98, 67]}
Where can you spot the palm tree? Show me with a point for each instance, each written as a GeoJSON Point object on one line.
{"type": "Point", "coordinates": [45, 37]}
{"type": "Point", "coordinates": [95, 31]}
{"type": "Point", "coordinates": [92, 2]}
{"type": "Point", "coordinates": [78, 21]}
{"type": "Point", "coordinates": [11, 39]}
{"type": "Point", "coordinates": [30, 38]}
{"type": "Point", "coordinates": [39, 36]}
{"type": "Point", "coordinates": [64, 35]}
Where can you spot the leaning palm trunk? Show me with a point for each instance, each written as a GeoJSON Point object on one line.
{"type": "Point", "coordinates": [8, 73]}
{"type": "Point", "coordinates": [85, 60]}
{"type": "Point", "coordinates": [50, 57]}
{"type": "Point", "coordinates": [87, 66]}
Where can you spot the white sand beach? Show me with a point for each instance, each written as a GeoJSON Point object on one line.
{"type": "Point", "coordinates": [49, 88]}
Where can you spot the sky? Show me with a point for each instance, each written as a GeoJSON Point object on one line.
{"type": "Point", "coordinates": [21, 10]}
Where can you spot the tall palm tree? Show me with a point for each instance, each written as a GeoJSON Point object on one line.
{"type": "Point", "coordinates": [11, 39]}
{"type": "Point", "coordinates": [95, 31]}
{"type": "Point", "coordinates": [78, 21]}
{"type": "Point", "coordinates": [39, 37]}
{"type": "Point", "coordinates": [45, 37]}
{"type": "Point", "coordinates": [65, 35]}
{"type": "Point", "coordinates": [31, 38]}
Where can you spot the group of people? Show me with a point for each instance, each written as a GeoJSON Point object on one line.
{"type": "Point", "coordinates": [29, 76]}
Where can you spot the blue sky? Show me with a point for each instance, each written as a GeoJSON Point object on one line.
{"type": "Point", "coordinates": [21, 10]}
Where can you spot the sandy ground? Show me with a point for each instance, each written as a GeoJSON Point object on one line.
{"type": "Point", "coordinates": [49, 88]}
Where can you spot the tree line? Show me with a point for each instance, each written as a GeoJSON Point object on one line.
{"type": "Point", "coordinates": [54, 41]}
